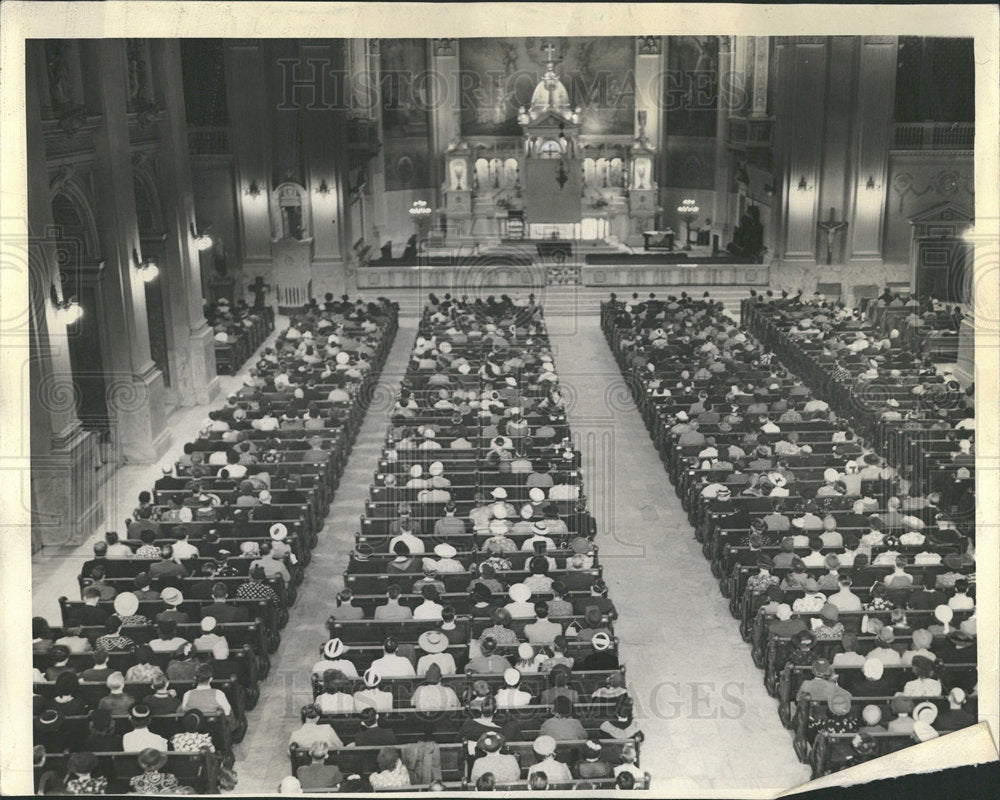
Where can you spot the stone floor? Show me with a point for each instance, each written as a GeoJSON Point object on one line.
{"type": "Point", "coordinates": [708, 722]}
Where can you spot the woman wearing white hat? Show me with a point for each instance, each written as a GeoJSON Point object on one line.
{"type": "Point", "coordinates": [446, 558]}
{"type": "Point", "coordinates": [210, 641]}
{"type": "Point", "coordinates": [332, 652]}
{"type": "Point", "coordinates": [371, 696]}
{"type": "Point", "coordinates": [435, 645]}
{"type": "Point", "coordinates": [555, 771]}
{"type": "Point", "coordinates": [520, 606]}
{"type": "Point", "coordinates": [538, 534]}
{"type": "Point", "coordinates": [511, 696]}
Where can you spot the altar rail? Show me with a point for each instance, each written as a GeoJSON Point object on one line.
{"type": "Point", "coordinates": [473, 276]}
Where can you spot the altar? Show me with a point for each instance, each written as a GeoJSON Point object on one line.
{"type": "Point", "coordinates": [552, 181]}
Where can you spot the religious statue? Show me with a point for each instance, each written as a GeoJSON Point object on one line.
{"type": "Point", "coordinates": [748, 237]}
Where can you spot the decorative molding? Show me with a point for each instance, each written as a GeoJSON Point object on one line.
{"type": "Point", "coordinates": [443, 47]}
{"type": "Point", "coordinates": [725, 44]}
{"type": "Point", "coordinates": [944, 183]}
{"type": "Point", "coordinates": [810, 40]}
{"type": "Point", "coordinates": [878, 39]}
{"type": "Point", "coordinates": [60, 178]}
{"type": "Point", "coordinates": [649, 45]}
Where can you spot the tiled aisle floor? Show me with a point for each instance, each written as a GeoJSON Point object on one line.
{"type": "Point", "coordinates": [708, 721]}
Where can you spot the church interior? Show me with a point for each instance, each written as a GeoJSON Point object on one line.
{"type": "Point", "coordinates": [282, 290]}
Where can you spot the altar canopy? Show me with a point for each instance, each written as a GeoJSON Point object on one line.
{"type": "Point", "coordinates": [552, 190]}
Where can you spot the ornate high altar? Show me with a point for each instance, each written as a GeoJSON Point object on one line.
{"type": "Point", "coordinates": [553, 182]}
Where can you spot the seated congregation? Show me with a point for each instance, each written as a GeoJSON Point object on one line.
{"type": "Point", "coordinates": [145, 684]}
{"type": "Point", "coordinates": [472, 645]}
{"type": "Point", "coordinates": [827, 468]}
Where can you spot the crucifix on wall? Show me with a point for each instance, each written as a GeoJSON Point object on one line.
{"type": "Point", "coordinates": [831, 228]}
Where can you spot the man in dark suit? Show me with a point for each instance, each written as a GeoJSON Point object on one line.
{"type": "Point", "coordinates": [90, 613]}
{"type": "Point", "coordinates": [223, 611]}
{"type": "Point", "coordinates": [99, 559]}
{"type": "Point", "coordinates": [169, 481]}
{"type": "Point", "coordinates": [371, 733]}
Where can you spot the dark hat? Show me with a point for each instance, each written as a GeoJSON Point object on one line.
{"type": "Point", "coordinates": [50, 720]}
{"type": "Point", "coordinates": [152, 759]}
{"type": "Point", "coordinates": [804, 637]}
{"type": "Point", "coordinates": [821, 668]}
{"type": "Point", "coordinates": [81, 763]}
{"type": "Point", "coordinates": [922, 666]}
{"type": "Point", "coordinates": [958, 637]}
{"type": "Point", "coordinates": [502, 617]}
{"type": "Point", "coordinates": [765, 562]}
{"type": "Point", "coordinates": [482, 592]}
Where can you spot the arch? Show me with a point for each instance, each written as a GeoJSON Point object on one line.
{"type": "Point", "coordinates": [291, 211]}
{"type": "Point", "coordinates": [73, 218]}
{"type": "Point", "coordinates": [148, 209]}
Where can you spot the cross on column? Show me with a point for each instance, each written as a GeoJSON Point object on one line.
{"type": "Point", "coordinates": [549, 49]}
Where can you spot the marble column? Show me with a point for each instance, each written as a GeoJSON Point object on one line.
{"type": "Point", "coordinates": [804, 85]}
{"type": "Point", "coordinates": [652, 95]}
{"type": "Point", "coordinates": [376, 167]}
{"type": "Point", "coordinates": [61, 486]}
{"type": "Point", "coordinates": [721, 220]}
{"type": "Point", "coordinates": [445, 108]}
{"type": "Point", "coordinates": [192, 346]}
{"type": "Point", "coordinates": [249, 135]}
{"type": "Point", "coordinates": [324, 150]}
{"type": "Point", "coordinates": [136, 395]}
{"type": "Point", "coordinates": [873, 121]}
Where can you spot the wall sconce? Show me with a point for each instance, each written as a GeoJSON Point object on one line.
{"type": "Point", "coordinates": [323, 188]}
{"type": "Point", "coordinates": [871, 186]}
{"type": "Point", "coordinates": [803, 186]}
{"type": "Point", "coordinates": [67, 311]}
{"type": "Point", "coordinates": [201, 240]}
{"type": "Point", "coordinates": [253, 189]}
{"type": "Point", "coordinates": [147, 269]}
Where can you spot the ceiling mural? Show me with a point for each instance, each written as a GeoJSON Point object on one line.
{"type": "Point", "coordinates": [499, 75]}
{"type": "Point", "coordinates": [405, 113]}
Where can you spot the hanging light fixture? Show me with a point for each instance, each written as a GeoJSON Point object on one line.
{"type": "Point", "coordinates": [253, 190]}
{"type": "Point", "coordinates": [201, 240]}
{"type": "Point", "coordinates": [146, 268]}
{"type": "Point", "coordinates": [323, 187]}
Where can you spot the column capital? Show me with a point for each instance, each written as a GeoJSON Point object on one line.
{"type": "Point", "coordinates": [443, 48]}
{"type": "Point", "coordinates": [649, 45]}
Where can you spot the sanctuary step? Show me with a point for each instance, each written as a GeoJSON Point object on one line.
{"type": "Point", "coordinates": [571, 300]}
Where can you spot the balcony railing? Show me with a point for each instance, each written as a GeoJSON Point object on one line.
{"type": "Point", "coordinates": [934, 136]}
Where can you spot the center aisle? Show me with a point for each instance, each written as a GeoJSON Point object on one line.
{"type": "Point", "coordinates": [262, 757]}
{"type": "Point", "coordinates": [698, 696]}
